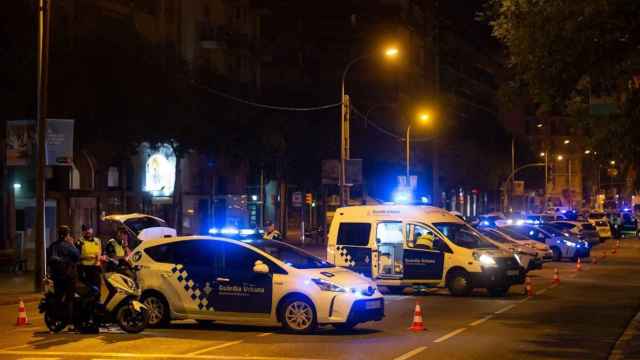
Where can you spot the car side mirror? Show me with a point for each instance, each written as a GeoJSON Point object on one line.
{"type": "Point", "coordinates": [260, 268]}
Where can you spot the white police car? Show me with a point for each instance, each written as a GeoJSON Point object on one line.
{"type": "Point", "coordinates": [261, 282]}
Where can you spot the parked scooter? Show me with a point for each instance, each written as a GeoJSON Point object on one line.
{"type": "Point", "coordinates": [119, 304]}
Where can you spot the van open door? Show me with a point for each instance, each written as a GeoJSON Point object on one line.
{"type": "Point", "coordinates": [389, 241]}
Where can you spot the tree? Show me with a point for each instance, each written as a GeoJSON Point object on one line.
{"type": "Point", "coordinates": [566, 52]}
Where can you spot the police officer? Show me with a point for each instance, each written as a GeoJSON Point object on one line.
{"type": "Point", "coordinates": [118, 248]}
{"type": "Point", "coordinates": [270, 232]}
{"type": "Point", "coordinates": [62, 259]}
{"type": "Point", "coordinates": [90, 251]}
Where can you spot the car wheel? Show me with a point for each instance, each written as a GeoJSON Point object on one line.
{"type": "Point", "coordinates": [157, 309]}
{"type": "Point", "coordinates": [557, 255]}
{"type": "Point", "coordinates": [498, 291]}
{"type": "Point", "coordinates": [459, 283]}
{"type": "Point", "coordinates": [299, 316]}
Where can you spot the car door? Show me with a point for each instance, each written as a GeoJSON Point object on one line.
{"type": "Point", "coordinates": [240, 291]}
{"type": "Point", "coordinates": [423, 257]}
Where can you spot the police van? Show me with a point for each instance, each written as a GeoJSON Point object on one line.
{"type": "Point", "coordinates": [399, 246]}
{"type": "Point", "coordinates": [260, 282]}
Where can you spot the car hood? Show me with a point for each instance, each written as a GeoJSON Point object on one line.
{"type": "Point", "coordinates": [494, 252]}
{"type": "Point", "coordinates": [339, 276]}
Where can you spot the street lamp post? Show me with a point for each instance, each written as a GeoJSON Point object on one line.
{"type": "Point", "coordinates": [423, 117]}
{"type": "Point", "coordinates": [345, 112]}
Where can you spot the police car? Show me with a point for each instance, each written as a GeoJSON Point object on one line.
{"type": "Point", "coordinates": [261, 282]}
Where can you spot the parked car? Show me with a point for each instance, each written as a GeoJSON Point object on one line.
{"type": "Point", "coordinates": [562, 244]}
{"type": "Point", "coordinates": [541, 249]}
{"type": "Point", "coordinates": [601, 222]}
{"type": "Point", "coordinates": [581, 229]}
{"type": "Point", "coordinates": [527, 256]}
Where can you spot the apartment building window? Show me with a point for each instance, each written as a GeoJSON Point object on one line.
{"type": "Point", "coordinates": [148, 7]}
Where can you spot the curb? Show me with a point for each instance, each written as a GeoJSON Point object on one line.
{"type": "Point", "coordinates": [632, 329]}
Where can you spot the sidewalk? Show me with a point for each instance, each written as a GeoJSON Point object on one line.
{"type": "Point", "coordinates": [14, 287]}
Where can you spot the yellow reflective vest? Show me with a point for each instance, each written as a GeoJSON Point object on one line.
{"type": "Point", "coordinates": [91, 249]}
{"type": "Point", "coordinates": [117, 247]}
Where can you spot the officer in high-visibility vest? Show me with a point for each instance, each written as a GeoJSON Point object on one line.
{"type": "Point", "coordinates": [270, 232]}
{"type": "Point", "coordinates": [118, 248]}
{"type": "Point", "coordinates": [90, 247]}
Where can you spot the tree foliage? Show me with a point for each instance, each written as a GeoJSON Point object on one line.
{"type": "Point", "coordinates": [567, 52]}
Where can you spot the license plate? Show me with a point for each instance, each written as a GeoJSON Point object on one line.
{"type": "Point", "coordinates": [369, 305]}
{"type": "Point", "coordinates": [513, 272]}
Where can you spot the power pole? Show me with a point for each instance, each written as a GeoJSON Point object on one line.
{"type": "Point", "coordinates": [44, 16]}
{"type": "Point", "coordinates": [435, 171]}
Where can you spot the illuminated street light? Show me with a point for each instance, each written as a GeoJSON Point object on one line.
{"type": "Point", "coordinates": [423, 117]}
{"type": "Point", "coordinates": [391, 52]}
{"type": "Point", "coordinates": [613, 162]}
{"type": "Point", "coordinates": [542, 154]}
{"type": "Point", "coordinates": [539, 125]}
{"type": "Point", "coordinates": [560, 157]}
{"type": "Point", "coordinates": [567, 141]}
{"type": "Point", "coordinates": [587, 152]}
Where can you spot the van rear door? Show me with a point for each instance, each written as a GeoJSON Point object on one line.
{"type": "Point", "coordinates": [353, 248]}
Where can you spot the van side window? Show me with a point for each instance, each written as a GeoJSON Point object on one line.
{"type": "Point", "coordinates": [354, 234]}
{"type": "Point", "coordinates": [389, 233]}
{"type": "Point", "coordinates": [421, 237]}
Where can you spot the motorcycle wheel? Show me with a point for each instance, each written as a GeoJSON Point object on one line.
{"type": "Point", "coordinates": [130, 320]}
{"type": "Point", "coordinates": [54, 324]}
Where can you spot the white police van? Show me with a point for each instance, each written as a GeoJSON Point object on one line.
{"type": "Point", "coordinates": [404, 245]}
{"type": "Point", "coordinates": [261, 282]}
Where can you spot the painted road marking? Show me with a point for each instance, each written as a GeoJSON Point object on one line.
{"type": "Point", "coordinates": [148, 356]}
{"type": "Point", "coordinates": [264, 334]}
{"type": "Point", "coordinates": [478, 322]}
{"type": "Point", "coordinates": [507, 308]}
{"type": "Point", "coordinates": [629, 333]}
{"type": "Point", "coordinates": [449, 335]}
{"type": "Point", "coordinates": [34, 344]}
{"type": "Point", "coordinates": [542, 291]}
{"type": "Point", "coordinates": [554, 286]}
{"type": "Point", "coordinates": [411, 353]}
{"type": "Point", "coordinates": [230, 343]}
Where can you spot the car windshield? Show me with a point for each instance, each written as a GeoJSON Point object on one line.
{"type": "Point", "coordinates": [514, 234]}
{"type": "Point", "coordinates": [464, 235]}
{"type": "Point", "coordinates": [290, 255]}
{"type": "Point", "coordinates": [552, 230]}
{"type": "Point", "coordinates": [596, 216]}
{"type": "Point", "coordinates": [138, 224]}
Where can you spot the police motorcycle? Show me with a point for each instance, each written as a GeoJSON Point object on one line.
{"type": "Point", "coordinates": [119, 304]}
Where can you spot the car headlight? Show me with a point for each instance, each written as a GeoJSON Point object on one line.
{"type": "Point", "coordinates": [328, 286]}
{"type": "Point", "coordinates": [485, 259]}
{"type": "Point", "coordinates": [569, 243]}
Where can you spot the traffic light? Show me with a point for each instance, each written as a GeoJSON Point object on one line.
{"type": "Point", "coordinates": [308, 198]}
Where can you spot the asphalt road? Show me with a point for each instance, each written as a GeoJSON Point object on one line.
{"type": "Point", "coordinates": [582, 318]}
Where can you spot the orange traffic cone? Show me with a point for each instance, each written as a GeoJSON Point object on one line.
{"type": "Point", "coordinates": [556, 276]}
{"type": "Point", "coordinates": [528, 287]}
{"type": "Point", "coordinates": [22, 315]}
{"type": "Point", "coordinates": [417, 324]}
{"type": "Point", "coordinates": [578, 265]}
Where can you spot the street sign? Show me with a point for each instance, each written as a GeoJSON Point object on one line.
{"type": "Point", "coordinates": [518, 188]}
{"type": "Point", "coordinates": [330, 172]}
{"type": "Point", "coordinates": [296, 199]}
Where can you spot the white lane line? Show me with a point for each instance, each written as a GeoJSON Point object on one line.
{"type": "Point", "coordinates": [506, 308]}
{"type": "Point", "coordinates": [147, 356]}
{"type": "Point", "coordinates": [230, 343]}
{"type": "Point", "coordinates": [478, 322]}
{"type": "Point", "coordinates": [411, 353]}
{"type": "Point", "coordinates": [264, 334]}
{"type": "Point", "coordinates": [553, 286]}
{"type": "Point", "coordinates": [542, 291]}
{"type": "Point", "coordinates": [449, 335]}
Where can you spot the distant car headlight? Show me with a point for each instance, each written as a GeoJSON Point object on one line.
{"type": "Point", "coordinates": [569, 243]}
{"type": "Point", "coordinates": [328, 286]}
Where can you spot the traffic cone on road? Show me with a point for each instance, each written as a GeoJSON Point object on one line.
{"type": "Point", "coordinates": [579, 265]}
{"type": "Point", "coordinates": [417, 324]}
{"type": "Point", "coordinates": [528, 287]}
{"type": "Point", "coordinates": [556, 277]}
{"type": "Point", "coordinates": [22, 315]}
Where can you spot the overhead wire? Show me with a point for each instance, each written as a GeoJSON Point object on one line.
{"type": "Point", "coordinates": [383, 130]}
